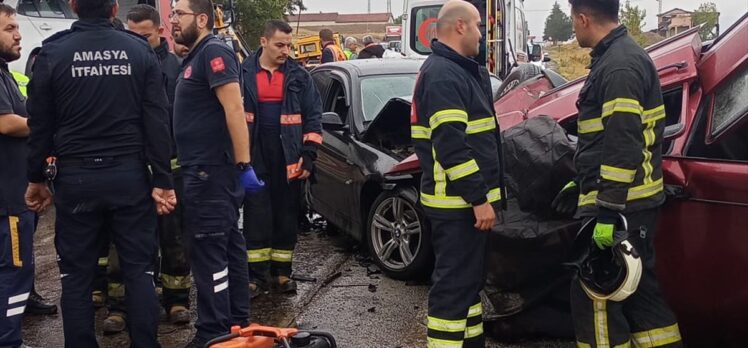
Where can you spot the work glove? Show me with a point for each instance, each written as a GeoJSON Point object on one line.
{"type": "Point", "coordinates": [566, 200]}
{"type": "Point", "coordinates": [605, 227]}
{"type": "Point", "coordinates": [249, 180]}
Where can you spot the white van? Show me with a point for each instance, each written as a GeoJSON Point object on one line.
{"type": "Point", "coordinates": [503, 25]}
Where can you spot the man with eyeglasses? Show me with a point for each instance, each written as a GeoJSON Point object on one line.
{"type": "Point", "coordinates": [213, 150]}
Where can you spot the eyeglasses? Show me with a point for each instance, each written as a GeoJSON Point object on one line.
{"type": "Point", "coordinates": [178, 14]}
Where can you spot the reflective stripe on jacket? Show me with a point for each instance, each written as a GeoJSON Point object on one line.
{"type": "Point", "coordinates": [455, 134]}
{"type": "Point", "coordinates": [620, 127]}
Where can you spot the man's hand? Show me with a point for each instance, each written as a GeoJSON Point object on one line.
{"type": "Point", "coordinates": [304, 173]}
{"type": "Point", "coordinates": [166, 200]}
{"type": "Point", "coordinates": [566, 200]}
{"type": "Point", "coordinates": [605, 227]}
{"type": "Point", "coordinates": [38, 197]}
{"type": "Point", "coordinates": [603, 235]}
{"type": "Point", "coordinates": [485, 217]}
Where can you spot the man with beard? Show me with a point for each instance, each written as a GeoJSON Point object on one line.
{"type": "Point", "coordinates": [98, 120]}
{"type": "Point", "coordinates": [213, 150]}
{"type": "Point", "coordinates": [283, 111]}
{"type": "Point", "coordinates": [16, 221]}
{"type": "Point", "coordinates": [456, 138]}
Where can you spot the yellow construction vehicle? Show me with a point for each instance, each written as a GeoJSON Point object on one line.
{"type": "Point", "coordinates": [308, 49]}
{"type": "Point", "coordinates": [224, 30]}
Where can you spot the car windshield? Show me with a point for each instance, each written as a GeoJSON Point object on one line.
{"type": "Point", "coordinates": [376, 91]}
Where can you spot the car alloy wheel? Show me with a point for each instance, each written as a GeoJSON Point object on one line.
{"type": "Point", "coordinates": [395, 233]}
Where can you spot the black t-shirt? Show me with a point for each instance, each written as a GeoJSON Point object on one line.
{"type": "Point", "coordinates": [200, 129]}
{"type": "Point", "coordinates": [13, 150]}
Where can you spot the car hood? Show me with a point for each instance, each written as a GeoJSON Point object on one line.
{"type": "Point", "coordinates": [392, 123]}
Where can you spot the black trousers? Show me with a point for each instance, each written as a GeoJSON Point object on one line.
{"type": "Point", "coordinates": [106, 195]}
{"type": "Point", "coordinates": [271, 215]}
{"type": "Point", "coordinates": [643, 319]}
{"type": "Point", "coordinates": [455, 312]}
{"type": "Point", "coordinates": [174, 267]}
{"type": "Point", "coordinates": [212, 196]}
{"type": "Point", "coordinates": [16, 273]}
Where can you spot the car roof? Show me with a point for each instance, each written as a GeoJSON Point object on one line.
{"type": "Point", "coordinates": [377, 66]}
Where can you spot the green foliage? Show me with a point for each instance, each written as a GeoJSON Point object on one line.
{"type": "Point", "coordinates": [557, 25]}
{"type": "Point", "coordinates": [251, 16]}
{"type": "Point", "coordinates": [398, 20]}
{"type": "Point", "coordinates": [633, 18]}
{"type": "Point", "coordinates": [707, 15]}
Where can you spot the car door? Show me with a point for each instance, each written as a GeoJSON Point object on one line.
{"type": "Point", "coordinates": [334, 194]}
{"type": "Point", "coordinates": [703, 239]}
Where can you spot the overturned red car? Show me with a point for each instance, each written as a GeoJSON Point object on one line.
{"type": "Point", "coordinates": [702, 246]}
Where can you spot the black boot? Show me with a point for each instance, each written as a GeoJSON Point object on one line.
{"type": "Point", "coordinates": [36, 304]}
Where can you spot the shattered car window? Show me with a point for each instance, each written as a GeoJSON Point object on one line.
{"type": "Point", "coordinates": [377, 91]}
{"type": "Point", "coordinates": [731, 101]}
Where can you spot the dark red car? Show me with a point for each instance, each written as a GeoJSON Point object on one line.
{"type": "Point", "coordinates": [702, 258]}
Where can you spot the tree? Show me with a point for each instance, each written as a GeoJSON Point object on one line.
{"type": "Point", "coordinates": [398, 20]}
{"type": "Point", "coordinates": [708, 16]}
{"type": "Point", "coordinates": [558, 25]}
{"type": "Point", "coordinates": [633, 18]}
{"type": "Point", "coordinates": [252, 15]}
{"type": "Point", "coordinates": [295, 6]}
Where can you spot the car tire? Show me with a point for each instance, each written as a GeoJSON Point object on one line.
{"type": "Point", "coordinates": [520, 74]}
{"type": "Point", "coordinates": [398, 235]}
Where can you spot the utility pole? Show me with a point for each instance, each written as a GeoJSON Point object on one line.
{"type": "Point", "coordinates": [660, 2]}
{"type": "Point", "coordinates": [389, 6]}
{"type": "Point", "coordinates": [369, 7]}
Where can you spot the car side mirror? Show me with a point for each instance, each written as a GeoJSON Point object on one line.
{"type": "Point", "coordinates": [332, 121]}
{"type": "Point", "coordinates": [673, 131]}
{"type": "Point", "coordinates": [546, 59]}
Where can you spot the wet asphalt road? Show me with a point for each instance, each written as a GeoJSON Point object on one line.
{"type": "Point", "coordinates": [349, 298]}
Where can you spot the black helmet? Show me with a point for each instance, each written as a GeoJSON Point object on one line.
{"type": "Point", "coordinates": [606, 274]}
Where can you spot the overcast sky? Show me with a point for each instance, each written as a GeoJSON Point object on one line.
{"type": "Point", "coordinates": [538, 10]}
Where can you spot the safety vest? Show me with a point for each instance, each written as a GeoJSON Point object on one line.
{"type": "Point", "coordinates": [337, 52]}
{"type": "Point", "coordinates": [22, 81]}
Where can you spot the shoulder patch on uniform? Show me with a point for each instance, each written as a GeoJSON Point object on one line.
{"type": "Point", "coordinates": [57, 35]}
{"type": "Point", "coordinates": [217, 65]}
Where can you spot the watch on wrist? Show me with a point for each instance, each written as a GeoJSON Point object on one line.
{"type": "Point", "coordinates": [242, 166]}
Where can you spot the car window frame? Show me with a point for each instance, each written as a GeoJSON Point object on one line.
{"type": "Point", "coordinates": [67, 11]}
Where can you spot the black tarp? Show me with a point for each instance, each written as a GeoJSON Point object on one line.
{"type": "Point", "coordinates": [526, 284]}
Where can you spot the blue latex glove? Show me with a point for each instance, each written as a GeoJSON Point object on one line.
{"type": "Point", "coordinates": [250, 182]}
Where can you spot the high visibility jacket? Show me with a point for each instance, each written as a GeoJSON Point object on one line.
{"type": "Point", "coordinates": [301, 113]}
{"type": "Point", "coordinates": [330, 49]}
{"type": "Point", "coordinates": [22, 81]}
{"type": "Point", "coordinates": [455, 134]}
{"type": "Point", "coordinates": [620, 127]}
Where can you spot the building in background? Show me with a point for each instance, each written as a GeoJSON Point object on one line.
{"type": "Point", "coordinates": [674, 22]}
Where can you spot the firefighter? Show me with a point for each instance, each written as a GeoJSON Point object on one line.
{"type": "Point", "coordinates": [98, 120]}
{"type": "Point", "coordinates": [283, 110]}
{"type": "Point", "coordinates": [16, 221]}
{"type": "Point", "coordinates": [175, 270]}
{"type": "Point", "coordinates": [213, 150]}
{"type": "Point", "coordinates": [456, 138]}
{"type": "Point", "coordinates": [330, 50]}
{"type": "Point", "coordinates": [619, 170]}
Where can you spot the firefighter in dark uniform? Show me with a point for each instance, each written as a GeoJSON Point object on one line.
{"type": "Point", "coordinates": [98, 120]}
{"type": "Point", "coordinates": [283, 110]}
{"type": "Point", "coordinates": [213, 150]}
{"type": "Point", "coordinates": [619, 170]}
{"type": "Point", "coordinates": [16, 220]}
{"type": "Point", "coordinates": [456, 138]}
